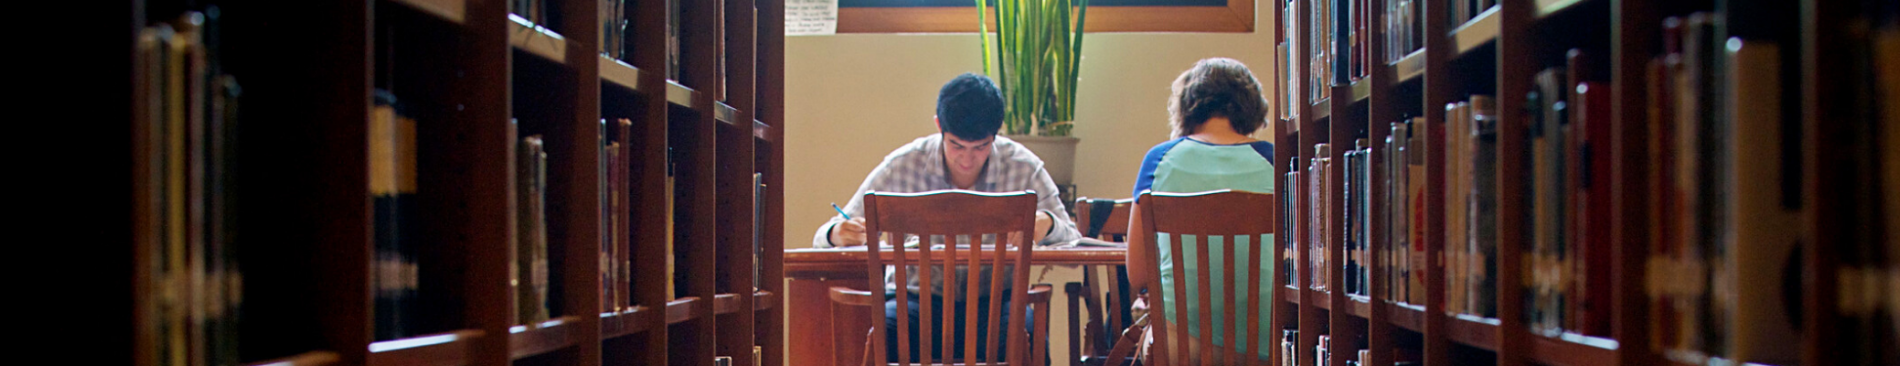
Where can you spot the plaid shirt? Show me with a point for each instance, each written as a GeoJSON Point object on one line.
{"type": "Point", "coordinates": [919, 167]}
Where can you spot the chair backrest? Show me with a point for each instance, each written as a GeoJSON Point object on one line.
{"type": "Point", "coordinates": [1231, 215]}
{"type": "Point", "coordinates": [1009, 217]}
{"type": "Point", "coordinates": [1102, 218]}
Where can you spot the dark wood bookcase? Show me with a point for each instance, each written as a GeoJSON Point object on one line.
{"type": "Point", "coordinates": [474, 77]}
{"type": "Point", "coordinates": [1497, 53]}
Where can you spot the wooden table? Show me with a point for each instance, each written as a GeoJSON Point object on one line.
{"type": "Point", "coordinates": [812, 318]}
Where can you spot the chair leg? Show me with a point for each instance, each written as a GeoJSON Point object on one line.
{"type": "Point", "coordinates": [870, 341]}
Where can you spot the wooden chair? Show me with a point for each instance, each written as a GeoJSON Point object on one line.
{"type": "Point", "coordinates": [1227, 214]}
{"type": "Point", "coordinates": [1089, 343]}
{"type": "Point", "coordinates": [1010, 217]}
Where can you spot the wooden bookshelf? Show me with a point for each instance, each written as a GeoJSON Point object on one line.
{"type": "Point", "coordinates": [536, 39]}
{"type": "Point", "coordinates": [1409, 68]}
{"type": "Point", "coordinates": [440, 349]}
{"type": "Point", "coordinates": [626, 323]}
{"type": "Point", "coordinates": [1497, 52]}
{"type": "Point", "coordinates": [619, 73]}
{"type": "Point", "coordinates": [764, 300]}
{"type": "Point", "coordinates": [450, 10]}
{"type": "Point", "coordinates": [682, 310]}
{"type": "Point", "coordinates": [1573, 349]}
{"type": "Point", "coordinates": [313, 358]}
{"type": "Point", "coordinates": [680, 95]}
{"type": "Point", "coordinates": [1480, 30]}
{"type": "Point", "coordinates": [544, 337]}
{"type": "Point", "coordinates": [1546, 8]}
{"type": "Point", "coordinates": [476, 77]}
{"type": "Point", "coordinates": [1361, 90]}
{"type": "Point", "coordinates": [1359, 307]}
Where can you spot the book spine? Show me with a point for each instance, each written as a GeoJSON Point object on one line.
{"type": "Point", "coordinates": [1482, 207]}
{"type": "Point", "coordinates": [1416, 181]}
{"type": "Point", "coordinates": [1758, 285]}
{"type": "Point", "coordinates": [531, 238]}
{"type": "Point", "coordinates": [393, 190]}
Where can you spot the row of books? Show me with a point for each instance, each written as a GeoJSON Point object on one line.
{"type": "Point", "coordinates": [1403, 156]}
{"type": "Point", "coordinates": [1339, 44]}
{"type": "Point", "coordinates": [1470, 204]}
{"type": "Point", "coordinates": [1357, 269]}
{"type": "Point", "coordinates": [186, 141]}
{"type": "Point", "coordinates": [1462, 11]}
{"type": "Point", "coordinates": [1723, 266]}
{"type": "Point", "coordinates": [1568, 282]}
{"type": "Point", "coordinates": [1404, 34]}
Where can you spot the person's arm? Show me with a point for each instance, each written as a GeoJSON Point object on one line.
{"type": "Point", "coordinates": [839, 232]}
{"type": "Point", "coordinates": [1052, 219]}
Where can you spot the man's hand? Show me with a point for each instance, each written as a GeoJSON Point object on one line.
{"type": "Point", "coordinates": [848, 233]}
{"type": "Point", "coordinates": [1043, 221]}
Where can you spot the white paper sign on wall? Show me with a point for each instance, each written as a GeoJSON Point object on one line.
{"type": "Point", "coordinates": [811, 17]}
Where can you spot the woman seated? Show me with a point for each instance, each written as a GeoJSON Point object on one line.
{"type": "Point", "coordinates": [1215, 107]}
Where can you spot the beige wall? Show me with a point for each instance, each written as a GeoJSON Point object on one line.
{"type": "Point", "coordinates": [851, 99]}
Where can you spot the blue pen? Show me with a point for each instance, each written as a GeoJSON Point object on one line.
{"type": "Point", "coordinates": [834, 206]}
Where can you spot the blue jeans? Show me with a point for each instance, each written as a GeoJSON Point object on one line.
{"type": "Point", "coordinates": [957, 321]}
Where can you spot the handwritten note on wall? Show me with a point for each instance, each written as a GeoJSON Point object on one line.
{"type": "Point", "coordinates": [811, 17]}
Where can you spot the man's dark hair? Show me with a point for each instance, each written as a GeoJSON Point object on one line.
{"type": "Point", "coordinates": [970, 107]}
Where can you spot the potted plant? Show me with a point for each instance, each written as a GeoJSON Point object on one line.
{"type": "Point", "coordinates": [1038, 57]}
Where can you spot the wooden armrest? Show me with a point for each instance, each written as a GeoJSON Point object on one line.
{"type": "Point", "coordinates": [855, 298]}
{"type": "Point", "coordinates": [1039, 293]}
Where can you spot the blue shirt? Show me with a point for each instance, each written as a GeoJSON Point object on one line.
{"type": "Point", "coordinates": [1186, 165]}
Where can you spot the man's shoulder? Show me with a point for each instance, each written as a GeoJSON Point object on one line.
{"type": "Point", "coordinates": [1009, 151]}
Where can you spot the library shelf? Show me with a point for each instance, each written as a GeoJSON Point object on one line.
{"type": "Point", "coordinates": [1322, 300]}
{"type": "Point", "coordinates": [1289, 295]}
{"type": "Point", "coordinates": [536, 39]}
{"type": "Point", "coordinates": [1323, 109]}
{"type": "Point", "coordinates": [525, 341]}
{"type": "Point", "coordinates": [1480, 30]}
{"type": "Point", "coordinates": [764, 300]}
{"type": "Point", "coordinates": [312, 358]}
{"type": "Point", "coordinates": [1359, 306]}
{"type": "Point", "coordinates": [725, 113]}
{"type": "Point", "coordinates": [616, 72]}
{"type": "Point", "coordinates": [681, 310]}
{"type": "Point", "coordinates": [1573, 349]}
{"type": "Point", "coordinates": [680, 95]}
{"type": "Point", "coordinates": [1473, 331]}
{"type": "Point", "coordinates": [1546, 8]}
{"type": "Point", "coordinates": [445, 349]}
{"type": "Point", "coordinates": [725, 304]}
{"type": "Point", "coordinates": [1361, 91]}
{"type": "Point", "coordinates": [625, 323]}
{"type": "Point", "coordinates": [761, 131]}
{"type": "Point", "coordinates": [1407, 316]}
{"type": "Point", "coordinates": [1409, 68]}
{"type": "Point", "coordinates": [453, 11]}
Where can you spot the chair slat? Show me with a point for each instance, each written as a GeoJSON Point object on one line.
{"type": "Point", "coordinates": [925, 305]}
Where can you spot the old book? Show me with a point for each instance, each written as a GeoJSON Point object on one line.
{"type": "Point", "coordinates": [531, 251]}
{"type": "Point", "coordinates": [1759, 285]}
{"type": "Point", "coordinates": [1481, 208]}
{"type": "Point", "coordinates": [392, 172]}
